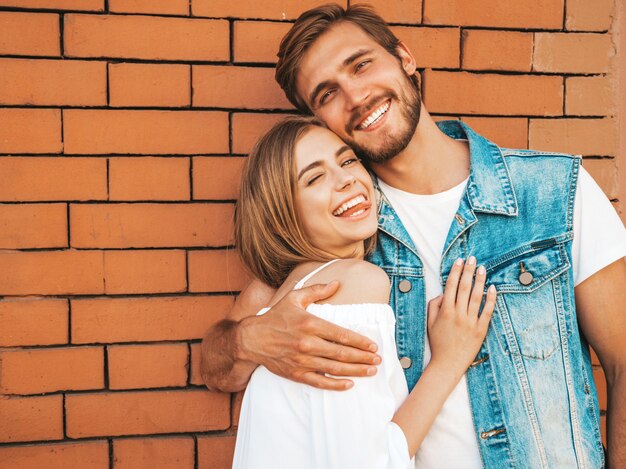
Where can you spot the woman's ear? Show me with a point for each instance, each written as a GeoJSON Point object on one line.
{"type": "Point", "coordinates": [406, 58]}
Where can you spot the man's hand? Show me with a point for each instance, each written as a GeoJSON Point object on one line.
{"type": "Point", "coordinates": [301, 347]}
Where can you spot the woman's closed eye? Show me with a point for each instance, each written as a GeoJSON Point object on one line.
{"type": "Point", "coordinates": [313, 178]}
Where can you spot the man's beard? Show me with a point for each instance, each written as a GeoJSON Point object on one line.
{"type": "Point", "coordinates": [409, 104]}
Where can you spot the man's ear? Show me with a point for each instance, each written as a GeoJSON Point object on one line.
{"type": "Point", "coordinates": [406, 59]}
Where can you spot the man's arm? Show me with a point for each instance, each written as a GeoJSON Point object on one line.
{"type": "Point", "coordinates": [287, 340]}
{"type": "Point", "coordinates": [602, 318]}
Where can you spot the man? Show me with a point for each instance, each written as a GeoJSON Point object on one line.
{"type": "Point", "coordinates": [552, 245]}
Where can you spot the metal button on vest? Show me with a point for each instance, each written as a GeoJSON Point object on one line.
{"type": "Point", "coordinates": [406, 362]}
{"type": "Point", "coordinates": [405, 286]}
{"type": "Point", "coordinates": [525, 277]}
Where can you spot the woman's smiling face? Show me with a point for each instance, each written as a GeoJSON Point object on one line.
{"type": "Point", "coordinates": [334, 194]}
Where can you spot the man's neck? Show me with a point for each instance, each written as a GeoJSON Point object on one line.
{"type": "Point", "coordinates": [431, 163]}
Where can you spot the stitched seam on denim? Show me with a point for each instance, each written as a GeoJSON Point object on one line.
{"type": "Point", "coordinates": [571, 393]}
{"type": "Point", "coordinates": [524, 249]}
{"type": "Point", "coordinates": [572, 194]}
{"type": "Point", "coordinates": [520, 372]}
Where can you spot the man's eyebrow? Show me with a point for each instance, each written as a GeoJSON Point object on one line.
{"type": "Point", "coordinates": [345, 63]}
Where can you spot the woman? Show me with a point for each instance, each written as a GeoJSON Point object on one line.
{"type": "Point", "coordinates": [307, 214]}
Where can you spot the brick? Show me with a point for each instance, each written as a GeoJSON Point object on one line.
{"type": "Point", "coordinates": [30, 131]}
{"type": "Point", "coordinates": [33, 226]}
{"type": "Point", "coordinates": [497, 50]}
{"type": "Point", "coordinates": [535, 14]}
{"type": "Point", "coordinates": [161, 178]}
{"type": "Point", "coordinates": [30, 179]}
{"type": "Point", "coordinates": [216, 178]}
{"type": "Point", "coordinates": [600, 380]}
{"type": "Point", "coordinates": [215, 452]}
{"type": "Point", "coordinates": [151, 225]}
{"type": "Point", "coordinates": [76, 5]}
{"type": "Point", "coordinates": [86, 455]}
{"type": "Point", "coordinates": [216, 271]}
{"type": "Point", "coordinates": [581, 15]}
{"type": "Point", "coordinates": [262, 9]}
{"type": "Point", "coordinates": [604, 172]}
{"type": "Point", "coordinates": [237, 87]}
{"type": "Point", "coordinates": [590, 96]}
{"type": "Point", "coordinates": [468, 93]}
{"type": "Point", "coordinates": [194, 375]}
{"type": "Point", "coordinates": [31, 418]}
{"type": "Point", "coordinates": [589, 137]}
{"type": "Point", "coordinates": [396, 11]}
{"type": "Point", "coordinates": [109, 320]}
{"type": "Point", "coordinates": [149, 271]}
{"type": "Point", "coordinates": [134, 453]}
{"type": "Point", "coordinates": [432, 47]}
{"type": "Point", "coordinates": [248, 128]}
{"type": "Point", "coordinates": [572, 53]}
{"type": "Point", "coordinates": [158, 7]}
{"type": "Point", "coordinates": [51, 273]}
{"type": "Point", "coordinates": [235, 404]}
{"type": "Point", "coordinates": [140, 413]}
{"type": "Point", "coordinates": [509, 132]}
{"type": "Point", "coordinates": [144, 132]}
{"type": "Point", "coordinates": [147, 366]}
{"type": "Point", "coordinates": [34, 371]}
{"type": "Point", "coordinates": [52, 82]}
{"type": "Point", "coordinates": [33, 322]}
{"type": "Point", "coordinates": [146, 37]}
{"type": "Point", "coordinates": [164, 85]}
{"type": "Point", "coordinates": [35, 34]}
{"type": "Point", "coordinates": [258, 41]}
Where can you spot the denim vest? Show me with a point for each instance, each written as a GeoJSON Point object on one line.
{"type": "Point", "coordinates": [531, 386]}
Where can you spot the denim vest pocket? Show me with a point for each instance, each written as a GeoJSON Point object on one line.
{"type": "Point", "coordinates": [529, 304]}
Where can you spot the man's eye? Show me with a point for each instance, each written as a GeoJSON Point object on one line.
{"type": "Point", "coordinates": [362, 64]}
{"type": "Point", "coordinates": [326, 96]}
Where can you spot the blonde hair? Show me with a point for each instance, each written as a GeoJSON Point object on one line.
{"type": "Point", "coordinates": [268, 232]}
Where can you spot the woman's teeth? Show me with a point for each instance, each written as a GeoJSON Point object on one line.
{"type": "Point", "coordinates": [349, 204]}
{"type": "Point", "coordinates": [377, 114]}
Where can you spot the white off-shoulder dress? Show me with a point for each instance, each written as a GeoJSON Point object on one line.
{"type": "Point", "coordinates": [284, 424]}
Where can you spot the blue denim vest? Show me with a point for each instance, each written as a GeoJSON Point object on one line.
{"type": "Point", "coordinates": [531, 387]}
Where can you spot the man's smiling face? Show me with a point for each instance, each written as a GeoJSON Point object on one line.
{"type": "Point", "coordinates": [360, 91]}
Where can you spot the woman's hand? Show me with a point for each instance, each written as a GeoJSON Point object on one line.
{"type": "Point", "coordinates": [455, 328]}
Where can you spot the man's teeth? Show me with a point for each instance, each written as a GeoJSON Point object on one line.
{"type": "Point", "coordinates": [374, 116]}
{"type": "Point", "coordinates": [349, 204]}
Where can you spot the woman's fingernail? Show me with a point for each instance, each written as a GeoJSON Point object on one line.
{"type": "Point", "coordinates": [481, 270]}
{"type": "Point", "coordinates": [471, 260]}
{"type": "Point", "coordinates": [492, 289]}
{"type": "Point", "coordinates": [459, 261]}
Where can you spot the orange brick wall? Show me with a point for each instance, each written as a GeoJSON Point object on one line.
{"type": "Point", "coordinates": [123, 128]}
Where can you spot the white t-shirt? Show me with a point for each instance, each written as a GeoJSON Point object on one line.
{"type": "Point", "coordinates": [599, 239]}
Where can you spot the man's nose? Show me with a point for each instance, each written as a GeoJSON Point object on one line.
{"type": "Point", "coordinates": [356, 94]}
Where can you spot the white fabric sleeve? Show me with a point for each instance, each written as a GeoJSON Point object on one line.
{"type": "Point", "coordinates": [599, 234]}
{"type": "Point", "coordinates": [291, 425]}
{"type": "Point", "coordinates": [353, 429]}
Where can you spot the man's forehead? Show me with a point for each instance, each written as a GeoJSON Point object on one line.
{"type": "Point", "coordinates": [329, 52]}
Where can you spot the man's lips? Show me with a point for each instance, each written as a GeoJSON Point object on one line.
{"type": "Point", "coordinates": [375, 116]}
{"type": "Point", "coordinates": [359, 116]}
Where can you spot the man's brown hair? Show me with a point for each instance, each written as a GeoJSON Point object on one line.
{"type": "Point", "coordinates": [268, 232]}
{"type": "Point", "coordinates": [310, 25]}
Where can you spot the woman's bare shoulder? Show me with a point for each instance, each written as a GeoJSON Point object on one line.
{"type": "Point", "coordinates": [359, 282]}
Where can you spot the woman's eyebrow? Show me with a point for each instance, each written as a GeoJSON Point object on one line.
{"type": "Point", "coordinates": [315, 164]}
